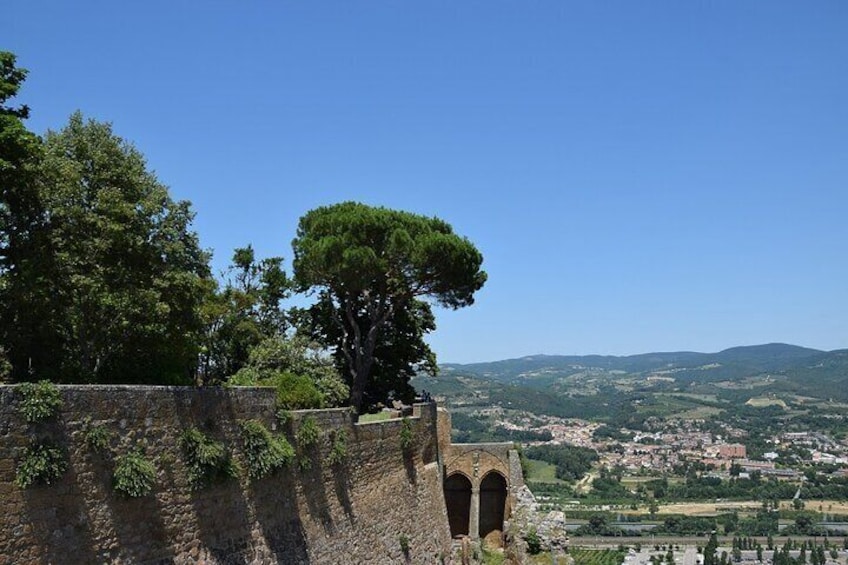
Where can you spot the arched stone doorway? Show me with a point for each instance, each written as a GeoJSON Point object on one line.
{"type": "Point", "coordinates": [458, 502]}
{"type": "Point", "coordinates": [492, 508]}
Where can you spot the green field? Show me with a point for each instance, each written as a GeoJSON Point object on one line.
{"type": "Point", "coordinates": [541, 472]}
{"type": "Point", "coordinates": [762, 402]}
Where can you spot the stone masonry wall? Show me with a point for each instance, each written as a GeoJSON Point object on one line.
{"type": "Point", "coordinates": [355, 512]}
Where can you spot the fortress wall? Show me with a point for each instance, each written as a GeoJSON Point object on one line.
{"type": "Point", "coordinates": [351, 513]}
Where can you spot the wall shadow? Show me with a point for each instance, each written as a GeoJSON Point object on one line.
{"type": "Point", "coordinates": [63, 530]}
{"type": "Point", "coordinates": [223, 517]}
{"type": "Point", "coordinates": [275, 504]}
{"type": "Point", "coordinates": [138, 525]}
{"type": "Point", "coordinates": [342, 487]}
{"type": "Point", "coordinates": [314, 490]}
{"type": "Point", "coordinates": [409, 465]}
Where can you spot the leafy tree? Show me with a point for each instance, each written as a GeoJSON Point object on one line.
{"type": "Point", "coordinates": [368, 265]}
{"type": "Point", "coordinates": [399, 354]}
{"type": "Point", "coordinates": [119, 277]}
{"type": "Point", "coordinates": [242, 314]}
{"type": "Point", "coordinates": [22, 239]}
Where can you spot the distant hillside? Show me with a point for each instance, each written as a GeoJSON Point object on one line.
{"type": "Point", "coordinates": [733, 363]}
{"type": "Point", "coordinates": [628, 391]}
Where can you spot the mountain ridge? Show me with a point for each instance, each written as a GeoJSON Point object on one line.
{"type": "Point", "coordinates": [772, 347]}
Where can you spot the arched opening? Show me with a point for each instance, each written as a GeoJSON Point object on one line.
{"type": "Point", "coordinates": [458, 502]}
{"type": "Point", "coordinates": [492, 508]}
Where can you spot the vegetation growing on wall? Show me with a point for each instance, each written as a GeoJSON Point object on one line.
{"type": "Point", "coordinates": [134, 475]}
{"type": "Point", "coordinates": [307, 436]}
{"type": "Point", "coordinates": [41, 463]}
{"type": "Point", "coordinates": [403, 540]}
{"type": "Point", "coordinates": [406, 435]}
{"type": "Point", "coordinates": [96, 437]}
{"type": "Point", "coordinates": [207, 460]}
{"type": "Point", "coordinates": [39, 401]}
{"type": "Point", "coordinates": [338, 447]}
{"type": "Point", "coordinates": [264, 452]}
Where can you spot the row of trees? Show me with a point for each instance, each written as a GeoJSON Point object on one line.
{"type": "Point", "coordinates": [103, 280]}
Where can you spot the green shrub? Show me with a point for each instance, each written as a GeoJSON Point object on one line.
{"type": "Point", "coordinates": [134, 475]}
{"type": "Point", "coordinates": [294, 392]}
{"type": "Point", "coordinates": [284, 416]}
{"type": "Point", "coordinates": [96, 437]}
{"type": "Point", "coordinates": [403, 539]}
{"type": "Point", "coordinates": [40, 400]}
{"type": "Point", "coordinates": [308, 434]}
{"type": "Point", "coordinates": [338, 450]}
{"type": "Point", "coordinates": [406, 435]}
{"type": "Point", "coordinates": [207, 460]}
{"type": "Point", "coordinates": [42, 463]}
{"type": "Point", "coordinates": [534, 542]}
{"type": "Point", "coordinates": [264, 452]}
{"type": "Point", "coordinates": [297, 392]}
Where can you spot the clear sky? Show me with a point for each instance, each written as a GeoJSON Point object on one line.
{"type": "Point", "coordinates": [639, 176]}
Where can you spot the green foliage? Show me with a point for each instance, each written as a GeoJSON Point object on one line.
{"type": "Point", "coordinates": [41, 463]}
{"type": "Point", "coordinates": [403, 539]}
{"type": "Point", "coordinates": [303, 377]}
{"type": "Point", "coordinates": [242, 314]}
{"type": "Point", "coordinates": [284, 416]}
{"type": "Point", "coordinates": [597, 526]}
{"type": "Point", "coordinates": [96, 437]}
{"type": "Point", "coordinates": [338, 448]}
{"type": "Point", "coordinates": [571, 462]}
{"type": "Point", "coordinates": [39, 401]}
{"type": "Point", "coordinates": [308, 432]}
{"type": "Point", "coordinates": [21, 214]}
{"type": "Point", "coordinates": [307, 435]}
{"type": "Point", "coordinates": [109, 281]}
{"type": "Point", "coordinates": [368, 265]}
{"type": "Point", "coordinates": [264, 452]}
{"type": "Point", "coordinates": [5, 365]}
{"type": "Point", "coordinates": [297, 392]}
{"type": "Point", "coordinates": [686, 525]}
{"type": "Point", "coordinates": [533, 541]}
{"type": "Point", "coordinates": [134, 475]}
{"type": "Point", "coordinates": [407, 437]}
{"type": "Point", "coordinates": [207, 460]}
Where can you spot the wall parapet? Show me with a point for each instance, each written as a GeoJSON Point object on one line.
{"type": "Point", "coordinates": [353, 511]}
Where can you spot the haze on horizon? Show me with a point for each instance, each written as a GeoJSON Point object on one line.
{"type": "Point", "coordinates": [639, 177]}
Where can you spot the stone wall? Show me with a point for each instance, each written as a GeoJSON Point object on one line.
{"type": "Point", "coordinates": [354, 512]}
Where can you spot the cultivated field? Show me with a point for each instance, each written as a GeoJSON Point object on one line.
{"type": "Point", "coordinates": [713, 508]}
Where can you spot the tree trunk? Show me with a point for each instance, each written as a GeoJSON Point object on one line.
{"type": "Point", "coordinates": [363, 350]}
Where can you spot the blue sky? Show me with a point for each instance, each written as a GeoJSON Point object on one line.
{"type": "Point", "coordinates": [639, 176]}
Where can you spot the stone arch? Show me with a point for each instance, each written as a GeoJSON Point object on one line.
{"type": "Point", "coordinates": [458, 502]}
{"type": "Point", "coordinates": [493, 500]}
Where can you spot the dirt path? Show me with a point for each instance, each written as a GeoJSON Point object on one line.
{"type": "Point", "coordinates": [585, 484]}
